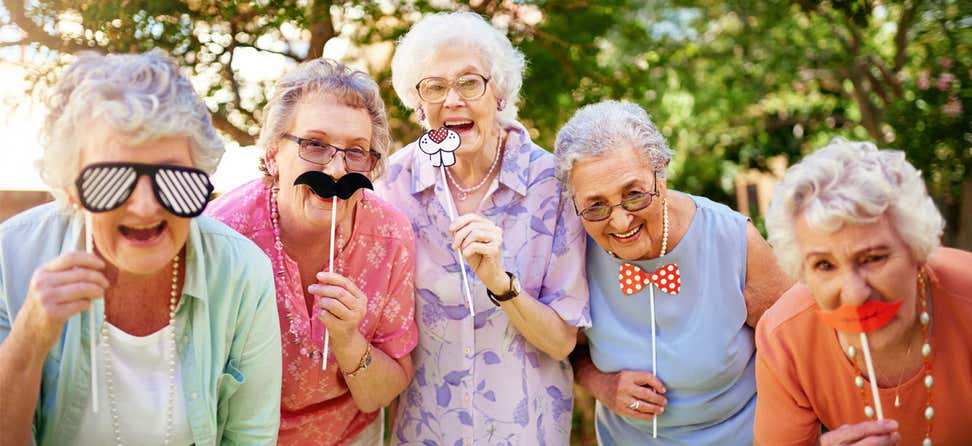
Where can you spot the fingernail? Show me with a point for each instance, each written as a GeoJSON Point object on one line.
{"type": "Point", "coordinates": [889, 423]}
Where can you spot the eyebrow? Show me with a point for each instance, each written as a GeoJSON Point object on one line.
{"type": "Point", "coordinates": [866, 249]}
{"type": "Point", "coordinates": [318, 133]}
{"type": "Point", "coordinates": [627, 186]}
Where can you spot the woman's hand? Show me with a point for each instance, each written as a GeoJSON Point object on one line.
{"type": "Point", "coordinates": [343, 303]}
{"type": "Point", "coordinates": [481, 242]}
{"type": "Point", "coordinates": [59, 289]}
{"type": "Point", "coordinates": [868, 433]}
{"type": "Point", "coordinates": [619, 392]}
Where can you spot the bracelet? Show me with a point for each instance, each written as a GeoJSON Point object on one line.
{"type": "Point", "coordinates": [362, 364]}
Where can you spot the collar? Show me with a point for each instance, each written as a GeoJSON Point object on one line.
{"type": "Point", "coordinates": [195, 282]}
{"type": "Point", "coordinates": [517, 154]}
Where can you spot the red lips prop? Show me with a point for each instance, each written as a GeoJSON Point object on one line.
{"type": "Point", "coordinates": [870, 316]}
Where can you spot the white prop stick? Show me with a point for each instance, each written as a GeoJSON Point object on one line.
{"type": "Point", "coordinates": [462, 263]}
{"type": "Point", "coordinates": [330, 269]}
{"type": "Point", "coordinates": [870, 376]}
{"type": "Point", "coordinates": [654, 356]}
{"type": "Point", "coordinates": [89, 248]}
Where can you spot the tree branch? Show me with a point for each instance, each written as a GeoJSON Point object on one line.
{"type": "Point", "coordinates": [901, 35]}
{"type": "Point", "coordinates": [288, 54]}
{"type": "Point", "coordinates": [35, 33]}
{"type": "Point", "coordinates": [235, 133]}
{"type": "Point", "coordinates": [321, 28]}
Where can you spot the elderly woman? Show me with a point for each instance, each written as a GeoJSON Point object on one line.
{"type": "Point", "coordinates": [499, 375]}
{"type": "Point", "coordinates": [328, 118]}
{"type": "Point", "coordinates": [613, 160]}
{"type": "Point", "coordinates": [189, 341]}
{"type": "Point", "coordinates": [858, 229]}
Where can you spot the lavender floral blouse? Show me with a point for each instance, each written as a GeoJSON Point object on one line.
{"type": "Point", "coordinates": [477, 380]}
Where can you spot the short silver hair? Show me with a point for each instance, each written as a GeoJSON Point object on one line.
{"type": "Point", "coordinates": [852, 182]}
{"type": "Point", "coordinates": [142, 96]}
{"type": "Point", "coordinates": [504, 63]}
{"type": "Point", "coordinates": [596, 129]}
{"type": "Point", "coordinates": [318, 78]}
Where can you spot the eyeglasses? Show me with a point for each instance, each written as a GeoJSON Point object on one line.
{"type": "Point", "coordinates": [314, 151]}
{"type": "Point", "coordinates": [635, 202]}
{"type": "Point", "coordinates": [468, 86]}
{"type": "Point", "coordinates": [182, 191]}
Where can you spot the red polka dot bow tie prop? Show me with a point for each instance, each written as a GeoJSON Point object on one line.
{"type": "Point", "coordinates": [633, 279]}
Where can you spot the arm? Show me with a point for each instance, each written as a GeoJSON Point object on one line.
{"type": "Point", "coordinates": [618, 390]}
{"type": "Point", "coordinates": [254, 409]}
{"type": "Point", "coordinates": [58, 290]}
{"type": "Point", "coordinates": [765, 281]}
{"type": "Point", "coordinates": [539, 324]}
{"type": "Point", "coordinates": [379, 384]}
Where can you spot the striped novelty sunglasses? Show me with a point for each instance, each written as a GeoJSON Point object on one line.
{"type": "Point", "coordinates": [183, 191]}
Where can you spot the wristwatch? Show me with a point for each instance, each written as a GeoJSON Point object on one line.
{"type": "Point", "coordinates": [514, 291]}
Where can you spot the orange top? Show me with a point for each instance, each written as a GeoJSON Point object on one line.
{"type": "Point", "coordinates": [804, 380]}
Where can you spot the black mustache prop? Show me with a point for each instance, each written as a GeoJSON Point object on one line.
{"type": "Point", "coordinates": [325, 187]}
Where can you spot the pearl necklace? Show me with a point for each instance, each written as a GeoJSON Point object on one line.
{"type": "Point", "coordinates": [170, 328]}
{"type": "Point", "coordinates": [926, 368]}
{"type": "Point", "coordinates": [307, 348]}
{"type": "Point", "coordinates": [664, 247]}
{"type": "Point", "coordinates": [464, 193]}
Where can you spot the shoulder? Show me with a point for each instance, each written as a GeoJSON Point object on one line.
{"type": "Point", "coordinates": [37, 218]}
{"type": "Point", "coordinates": [952, 268]}
{"type": "Point", "coordinates": [718, 211]}
{"type": "Point", "coordinates": [222, 245]}
{"type": "Point", "coordinates": [386, 221]}
{"type": "Point", "coordinates": [235, 206]}
{"type": "Point", "coordinates": [791, 318]}
{"type": "Point", "coordinates": [37, 233]}
{"type": "Point", "coordinates": [399, 163]}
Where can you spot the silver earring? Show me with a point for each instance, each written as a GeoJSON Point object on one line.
{"type": "Point", "coordinates": [500, 104]}
{"type": "Point", "coordinates": [421, 114]}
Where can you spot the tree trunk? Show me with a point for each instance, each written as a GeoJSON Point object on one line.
{"type": "Point", "coordinates": [963, 239]}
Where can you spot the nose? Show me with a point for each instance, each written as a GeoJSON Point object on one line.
{"type": "Point", "coordinates": [142, 200]}
{"type": "Point", "coordinates": [452, 98]}
{"type": "Point", "coordinates": [336, 167]}
{"type": "Point", "coordinates": [620, 219]}
{"type": "Point", "coordinates": [854, 289]}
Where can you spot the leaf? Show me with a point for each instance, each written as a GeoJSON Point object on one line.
{"type": "Point", "coordinates": [537, 225]}
{"type": "Point", "coordinates": [490, 396]}
{"type": "Point", "coordinates": [454, 378]}
{"type": "Point", "coordinates": [491, 358]}
{"type": "Point", "coordinates": [442, 395]}
{"type": "Point", "coordinates": [465, 418]}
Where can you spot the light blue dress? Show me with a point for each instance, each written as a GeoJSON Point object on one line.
{"type": "Point", "coordinates": [705, 349]}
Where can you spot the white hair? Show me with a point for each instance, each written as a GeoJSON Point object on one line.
{"type": "Point", "coordinates": [141, 96]}
{"type": "Point", "coordinates": [852, 182]}
{"type": "Point", "coordinates": [324, 77]}
{"type": "Point", "coordinates": [504, 63]}
{"type": "Point", "coordinates": [596, 129]}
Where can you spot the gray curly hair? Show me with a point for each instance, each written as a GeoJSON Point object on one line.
{"type": "Point", "coordinates": [852, 182]}
{"type": "Point", "coordinates": [142, 96]}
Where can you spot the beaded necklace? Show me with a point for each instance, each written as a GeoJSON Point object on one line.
{"type": "Point", "coordinates": [464, 192]}
{"type": "Point", "coordinates": [926, 353]}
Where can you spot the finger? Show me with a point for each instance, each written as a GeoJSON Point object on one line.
{"type": "Point", "coordinates": [336, 308]}
{"type": "Point", "coordinates": [478, 236]}
{"type": "Point", "coordinates": [462, 221]}
{"type": "Point", "coordinates": [479, 249]}
{"type": "Point", "coordinates": [850, 433]}
{"type": "Point", "coordinates": [647, 395]}
{"type": "Point", "coordinates": [335, 292]}
{"type": "Point", "coordinates": [74, 259]}
{"type": "Point", "coordinates": [73, 275]}
{"type": "Point", "coordinates": [627, 411]}
{"type": "Point", "coordinates": [880, 440]}
{"type": "Point", "coordinates": [640, 378]}
{"type": "Point", "coordinates": [335, 279]}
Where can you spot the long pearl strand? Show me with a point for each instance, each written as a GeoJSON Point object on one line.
{"type": "Point", "coordinates": [664, 248]}
{"type": "Point", "coordinates": [464, 193]}
{"type": "Point", "coordinates": [106, 352]}
{"type": "Point", "coordinates": [926, 353]}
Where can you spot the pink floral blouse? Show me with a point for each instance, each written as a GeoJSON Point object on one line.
{"type": "Point", "coordinates": [316, 406]}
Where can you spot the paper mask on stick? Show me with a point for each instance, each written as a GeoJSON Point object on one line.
{"type": "Point", "coordinates": [870, 316]}
{"type": "Point", "coordinates": [439, 144]}
{"type": "Point", "coordinates": [325, 187]}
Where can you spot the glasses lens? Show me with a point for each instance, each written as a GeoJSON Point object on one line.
{"type": "Point", "coordinates": [103, 187]}
{"type": "Point", "coordinates": [636, 202]}
{"type": "Point", "coordinates": [596, 213]}
{"type": "Point", "coordinates": [182, 191]}
{"type": "Point", "coordinates": [433, 89]}
{"type": "Point", "coordinates": [359, 160]}
{"type": "Point", "coordinates": [316, 152]}
{"type": "Point", "coordinates": [471, 86]}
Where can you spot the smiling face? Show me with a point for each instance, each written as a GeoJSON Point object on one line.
{"type": "Point", "coordinates": [139, 237]}
{"type": "Point", "coordinates": [473, 119]}
{"type": "Point", "coordinates": [606, 180]}
{"type": "Point", "coordinates": [321, 118]}
{"type": "Point", "coordinates": [860, 263]}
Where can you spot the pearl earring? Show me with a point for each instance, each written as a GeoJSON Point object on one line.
{"type": "Point", "coordinates": [421, 114]}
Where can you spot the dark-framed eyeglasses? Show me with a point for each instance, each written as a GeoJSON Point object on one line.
{"type": "Point", "coordinates": [314, 151]}
{"type": "Point", "coordinates": [469, 86]}
{"type": "Point", "coordinates": [633, 202]}
{"type": "Point", "coordinates": [182, 191]}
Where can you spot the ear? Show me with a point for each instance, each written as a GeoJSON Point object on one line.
{"type": "Point", "coordinates": [270, 160]}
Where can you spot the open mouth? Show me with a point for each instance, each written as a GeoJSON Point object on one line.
{"type": "Point", "coordinates": [142, 233]}
{"type": "Point", "coordinates": [459, 126]}
{"type": "Point", "coordinates": [626, 236]}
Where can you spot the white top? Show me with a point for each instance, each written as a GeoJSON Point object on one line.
{"type": "Point", "coordinates": [140, 377]}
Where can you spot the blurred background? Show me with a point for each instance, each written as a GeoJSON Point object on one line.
{"type": "Point", "coordinates": [742, 89]}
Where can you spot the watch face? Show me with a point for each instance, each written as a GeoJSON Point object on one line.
{"type": "Point", "coordinates": [515, 286]}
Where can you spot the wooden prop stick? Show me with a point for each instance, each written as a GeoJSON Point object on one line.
{"type": "Point", "coordinates": [870, 376]}
{"type": "Point", "coordinates": [89, 248]}
{"type": "Point", "coordinates": [330, 269]}
{"type": "Point", "coordinates": [654, 356]}
{"type": "Point", "coordinates": [462, 263]}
